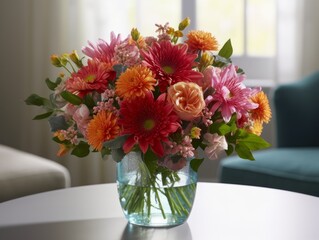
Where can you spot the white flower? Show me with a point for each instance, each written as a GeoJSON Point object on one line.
{"type": "Point", "coordinates": [215, 144]}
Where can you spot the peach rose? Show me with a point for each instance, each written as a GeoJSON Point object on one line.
{"type": "Point", "coordinates": [187, 99]}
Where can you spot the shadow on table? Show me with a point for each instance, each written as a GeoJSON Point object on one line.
{"type": "Point", "coordinates": [92, 229]}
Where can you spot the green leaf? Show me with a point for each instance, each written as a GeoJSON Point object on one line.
{"type": "Point", "coordinates": [105, 152]}
{"type": "Point", "coordinates": [116, 142]}
{"type": "Point", "coordinates": [81, 150]}
{"type": "Point", "coordinates": [227, 50]}
{"type": "Point", "coordinates": [51, 85]}
{"type": "Point", "coordinates": [71, 98]}
{"type": "Point", "coordinates": [117, 154]}
{"type": "Point", "coordinates": [150, 160]}
{"type": "Point", "coordinates": [244, 152]}
{"type": "Point", "coordinates": [58, 80]}
{"type": "Point", "coordinates": [220, 128]}
{"type": "Point", "coordinates": [57, 140]}
{"type": "Point", "coordinates": [195, 163]}
{"type": "Point", "coordinates": [42, 116]}
{"type": "Point", "coordinates": [240, 71]}
{"type": "Point", "coordinates": [88, 101]}
{"type": "Point", "coordinates": [221, 61]}
{"type": "Point", "coordinates": [36, 100]}
{"type": "Point", "coordinates": [229, 150]}
{"type": "Point", "coordinates": [196, 143]}
{"type": "Point", "coordinates": [252, 141]}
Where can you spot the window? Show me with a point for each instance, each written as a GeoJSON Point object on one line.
{"type": "Point", "coordinates": [251, 25]}
{"type": "Point", "coordinates": [252, 28]}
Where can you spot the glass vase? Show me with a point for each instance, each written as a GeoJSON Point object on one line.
{"type": "Point", "coordinates": [160, 198]}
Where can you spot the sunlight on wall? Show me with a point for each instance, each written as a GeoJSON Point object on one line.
{"type": "Point", "coordinates": [252, 29]}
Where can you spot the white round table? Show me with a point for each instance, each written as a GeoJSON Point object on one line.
{"type": "Point", "coordinates": [221, 211]}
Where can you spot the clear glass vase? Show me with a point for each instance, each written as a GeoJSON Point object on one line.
{"type": "Point", "coordinates": [160, 198]}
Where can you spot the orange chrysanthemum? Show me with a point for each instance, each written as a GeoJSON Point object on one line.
{"type": "Point", "coordinates": [135, 82]}
{"type": "Point", "coordinates": [103, 127]}
{"type": "Point", "coordinates": [256, 128]}
{"type": "Point", "coordinates": [200, 40]}
{"type": "Point", "coordinates": [263, 112]}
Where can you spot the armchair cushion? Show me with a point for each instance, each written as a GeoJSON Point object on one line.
{"type": "Point", "coordinates": [297, 113]}
{"type": "Point", "coordinates": [293, 169]}
{"type": "Point", "coordinates": [23, 174]}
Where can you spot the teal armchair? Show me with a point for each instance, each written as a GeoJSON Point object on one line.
{"type": "Point", "coordinates": [294, 164]}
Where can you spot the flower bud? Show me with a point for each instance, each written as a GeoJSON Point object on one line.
{"type": "Point", "coordinates": [55, 60]}
{"type": "Point", "coordinates": [75, 58]}
{"type": "Point", "coordinates": [135, 34]}
{"type": "Point", "coordinates": [205, 61]}
{"type": "Point", "coordinates": [64, 59]}
{"type": "Point", "coordinates": [183, 24]}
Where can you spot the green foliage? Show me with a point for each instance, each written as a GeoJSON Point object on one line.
{"type": "Point", "coordinates": [58, 123]}
{"type": "Point", "coordinates": [227, 50]}
{"type": "Point", "coordinates": [119, 69]}
{"type": "Point", "coordinates": [51, 85]}
{"type": "Point", "coordinates": [43, 116]}
{"type": "Point", "coordinates": [150, 160]}
{"type": "Point", "coordinates": [71, 98]}
{"type": "Point", "coordinates": [81, 150]}
{"type": "Point", "coordinates": [88, 101]}
{"type": "Point", "coordinates": [195, 163]}
{"type": "Point", "coordinates": [36, 100]}
{"type": "Point", "coordinates": [224, 54]}
{"type": "Point", "coordinates": [117, 154]}
{"type": "Point", "coordinates": [244, 143]}
{"type": "Point", "coordinates": [57, 140]}
{"type": "Point", "coordinates": [223, 128]}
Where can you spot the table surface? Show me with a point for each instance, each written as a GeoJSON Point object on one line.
{"type": "Point", "coordinates": [220, 211]}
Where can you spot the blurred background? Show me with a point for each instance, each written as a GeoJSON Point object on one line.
{"type": "Point", "coordinates": [275, 42]}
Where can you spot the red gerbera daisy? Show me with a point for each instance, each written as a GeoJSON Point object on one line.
{"type": "Point", "coordinates": [148, 122]}
{"type": "Point", "coordinates": [171, 63]}
{"type": "Point", "coordinates": [93, 77]}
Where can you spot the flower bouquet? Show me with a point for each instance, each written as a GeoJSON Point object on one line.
{"type": "Point", "coordinates": [151, 103]}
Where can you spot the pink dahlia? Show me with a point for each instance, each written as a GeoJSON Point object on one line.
{"type": "Point", "coordinates": [102, 50]}
{"type": "Point", "coordinates": [230, 95]}
{"type": "Point", "coordinates": [93, 77]}
{"type": "Point", "coordinates": [171, 63]}
{"type": "Point", "coordinates": [148, 122]}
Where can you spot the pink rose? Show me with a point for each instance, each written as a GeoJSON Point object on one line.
{"type": "Point", "coordinates": [215, 145]}
{"type": "Point", "coordinates": [187, 99]}
{"type": "Point", "coordinates": [82, 117]}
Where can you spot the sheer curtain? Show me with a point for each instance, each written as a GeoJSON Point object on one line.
{"type": "Point", "coordinates": [297, 39]}
{"type": "Point", "coordinates": [32, 30]}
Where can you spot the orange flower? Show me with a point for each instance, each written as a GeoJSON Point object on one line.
{"type": "Point", "coordinates": [63, 148]}
{"type": "Point", "coordinates": [103, 127]}
{"type": "Point", "coordinates": [187, 99]}
{"type": "Point", "coordinates": [256, 128]}
{"type": "Point", "coordinates": [135, 82]}
{"type": "Point", "coordinates": [200, 40]}
{"type": "Point", "coordinates": [263, 112]}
